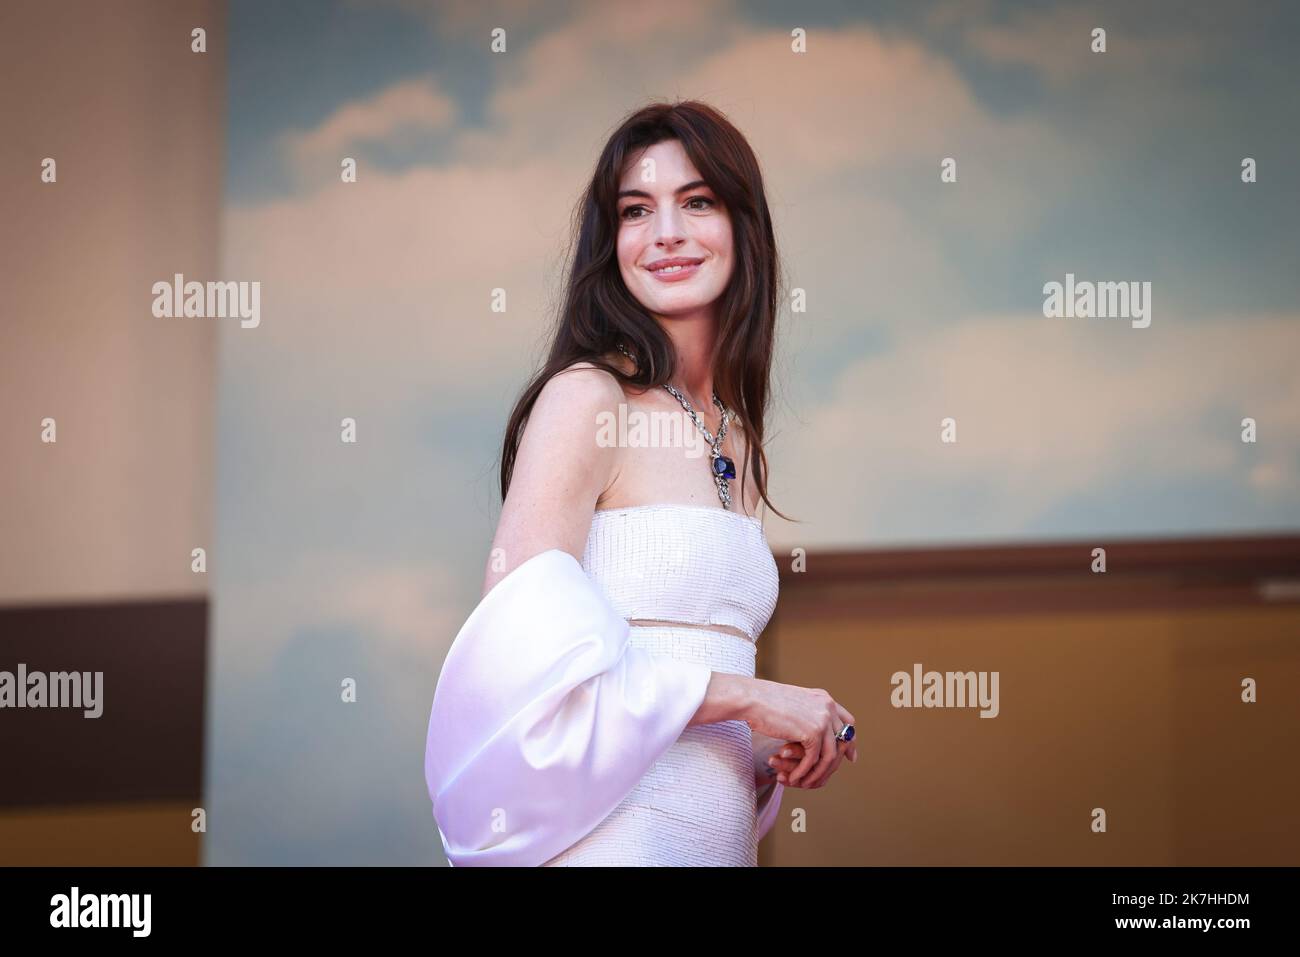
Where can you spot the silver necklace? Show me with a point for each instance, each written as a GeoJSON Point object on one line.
{"type": "Point", "coordinates": [720, 466]}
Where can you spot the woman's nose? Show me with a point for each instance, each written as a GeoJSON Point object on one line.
{"type": "Point", "coordinates": [668, 227]}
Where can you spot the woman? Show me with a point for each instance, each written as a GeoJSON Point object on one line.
{"type": "Point", "coordinates": [599, 706]}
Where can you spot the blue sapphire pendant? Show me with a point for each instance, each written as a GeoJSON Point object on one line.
{"type": "Point", "coordinates": [724, 468]}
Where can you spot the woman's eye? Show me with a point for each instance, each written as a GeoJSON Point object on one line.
{"type": "Point", "coordinates": [629, 212]}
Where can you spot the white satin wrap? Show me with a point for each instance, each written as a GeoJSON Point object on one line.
{"type": "Point", "coordinates": [769, 806]}
{"type": "Point", "coordinates": [544, 718]}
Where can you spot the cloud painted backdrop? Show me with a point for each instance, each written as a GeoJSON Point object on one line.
{"type": "Point", "coordinates": [924, 301]}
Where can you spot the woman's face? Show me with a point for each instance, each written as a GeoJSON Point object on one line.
{"type": "Point", "coordinates": [667, 213]}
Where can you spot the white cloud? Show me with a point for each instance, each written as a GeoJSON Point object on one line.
{"type": "Point", "coordinates": [407, 611]}
{"type": "Point", "coordinates": [413, 104]}
{"type": "Point", "coordinates": [395, 272]}
{"type": "Point", "coordinates": [1046, 410]}
{"type": "Point", "coordinates": [390, 279]}
{"type": "Point", "coordinates": [1056, 42]}
{"type": "Point", "coordinates": [466, 17]}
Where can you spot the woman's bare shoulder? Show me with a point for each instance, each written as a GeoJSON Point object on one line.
{"type": "Point", "coordinates": [578, 388]}
{"type": "Point", "coordinates": [560, 471]}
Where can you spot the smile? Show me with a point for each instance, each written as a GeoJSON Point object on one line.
{"type": "Point", "coordinates": [676, 270]}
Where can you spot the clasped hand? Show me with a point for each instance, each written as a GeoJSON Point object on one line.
{"type": "Point", "coordinates": [777, 760]}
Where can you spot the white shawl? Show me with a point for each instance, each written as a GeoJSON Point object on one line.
{"type": "Point", "coordinates": [544, 718]}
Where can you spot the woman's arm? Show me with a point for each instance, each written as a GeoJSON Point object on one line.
{"type": "Point", "coordinates": [726, 699]}
{"type": "Point", "coordinates": [560, 471]}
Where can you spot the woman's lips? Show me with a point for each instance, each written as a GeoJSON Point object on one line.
{"type": "Point", "coordinates": [676, 273]}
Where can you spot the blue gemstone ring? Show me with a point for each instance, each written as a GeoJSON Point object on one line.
{"type": "Point", "coordinates": [846, 733]}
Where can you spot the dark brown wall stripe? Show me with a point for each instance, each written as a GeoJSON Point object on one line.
{"type": "Point", "coordinates": [148, 742]}
{"type": "Point", "coordinates": [1055, 577]}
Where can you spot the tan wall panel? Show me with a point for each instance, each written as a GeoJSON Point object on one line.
{"type": "Point", "coordinates": [1138, 713]}
{"type": "Point", "coordinates": [1237, 767]}
{"type": "Point", "coordinates": [135, 122]}
{"type": "Point", "coordinates": [123, 835]}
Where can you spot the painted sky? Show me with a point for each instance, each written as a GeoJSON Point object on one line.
{"type": "Point", "coordinates": [924, 301]}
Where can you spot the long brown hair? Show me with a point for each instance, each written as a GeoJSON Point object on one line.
{"type": "Point", "coordinates": [598, 313]}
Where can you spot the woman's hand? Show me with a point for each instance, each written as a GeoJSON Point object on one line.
{"type": "Point", "coordinates": [783, 763]}
{"type": "Point", "coordinates": [807, 719]}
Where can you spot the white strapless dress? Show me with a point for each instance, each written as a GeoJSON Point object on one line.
{"type": "Point", "coordinates": [696, 806]}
